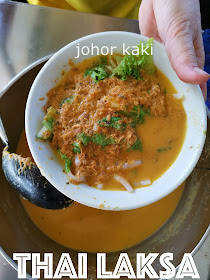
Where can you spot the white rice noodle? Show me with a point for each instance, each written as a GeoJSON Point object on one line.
{"type": "Point", "coordinates": [109, 68]}
{"type": "Point", "coordinates": [124, 182]}
{"type": "Point", "coordinates": [75, 178]}
{"type": "Point", "coordinates": [178, 95]}
{"type": "Point", "coordinates": [95, 127]}
{"type": "Point", "coordinates": [143, 183]}
{"type": "Point", "coordinates": [77, 161]}
{"type": "Point", "coordinates": [132, 164]}
{"type": "Point", "coordinates": [100, 186]}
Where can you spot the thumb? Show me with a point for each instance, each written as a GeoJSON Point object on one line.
{"type": "Point", "coordinates": [181, 53]}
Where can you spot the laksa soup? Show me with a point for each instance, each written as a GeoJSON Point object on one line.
{"type": "Point", "coordinates": [88, 229]}
{"type": "Point", "coordinates": [115, 122]}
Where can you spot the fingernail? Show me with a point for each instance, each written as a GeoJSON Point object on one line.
{"type": "Point", "coordinates": [200, 71]}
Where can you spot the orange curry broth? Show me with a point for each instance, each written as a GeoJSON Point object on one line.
{"type": "Point", "coordinates": [87, 229]}
{"type": "Point", "coordinates": [156, 132]}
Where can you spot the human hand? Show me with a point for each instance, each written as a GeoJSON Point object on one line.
{"type": "Point", "coordinates": [177, 24]}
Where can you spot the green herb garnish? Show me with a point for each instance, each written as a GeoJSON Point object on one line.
{"type": "Point", "coordinates": [48, 120]}
{"type": "Point", "coordinates": [67, 161]}
{"type": "Point", "coordinates": [99, 139]}
{"type": "Point", "coordinates": [136, 146]}
{"type": "Point", "coordinates": [147, 60]}
{"type": "Point", "coordinates": [137, 114]}
{"type": "Point", "coordinates": [97, 73]}
{"type": "Point", "coordinates": [66, 100]}
{"type": "Point", "coordinates": [164, 149]}
{"type": "Point", "coordinates": [49, 123]}
{"type": "Point", "coordinates": [114, 122]}
{"type": "Point", "coordinates": [102, 140]}
{"type": "Point", "coordinates": [83, 138]}
{"type": "Point", "coordinates": [76, 149]}
{"type": "Point", "coordinates": [129, 65]}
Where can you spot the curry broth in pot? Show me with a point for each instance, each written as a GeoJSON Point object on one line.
{"type": "Point", "coordinates": [87, 229]}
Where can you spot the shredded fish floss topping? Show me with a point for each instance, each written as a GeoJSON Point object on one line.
{"type": "Point", "coordinates": [95, 123]}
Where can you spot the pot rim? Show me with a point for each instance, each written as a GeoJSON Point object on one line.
{"type": "Point", "coordinates": [194, 251]}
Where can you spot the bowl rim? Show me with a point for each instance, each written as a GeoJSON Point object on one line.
{"type": "Point", "coordinates": [93, 203]}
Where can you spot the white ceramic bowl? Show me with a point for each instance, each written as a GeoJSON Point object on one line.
{"type": "Point", "coordinates": [114, 200]}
